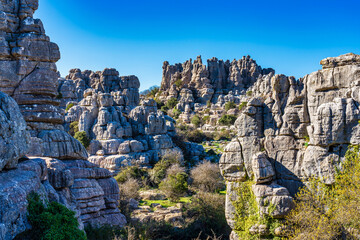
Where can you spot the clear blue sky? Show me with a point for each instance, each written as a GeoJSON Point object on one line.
{"type": "Point", "coordinates": [135, 37]}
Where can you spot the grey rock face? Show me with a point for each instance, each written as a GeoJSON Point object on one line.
{"type": "Point", "coordinates": [13, 135]}
{"type": "Point", "coordinates": [302, 127]}
{"type": "Point", "coordinates": [28, 74]}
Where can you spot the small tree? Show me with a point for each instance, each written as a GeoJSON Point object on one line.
{"type": "Point", "coordinates": [171, 103]}
{"type": "Point", "coordinates": [196, 121]}
{"type": "Point", "coordinates": [74, 128]}
{"type": "Point", "coordinates": [206, 177]}
{"type": "Point", "coordinates": [227, 120]}
{"type": "Point", "coordinates": [52, 222]}
{"type": "Point", "coordinates": [83, 138]}
{"type": "Point", "coordinates": [129, 189]}
{"type": "Point", "coordinates": [175, 186]}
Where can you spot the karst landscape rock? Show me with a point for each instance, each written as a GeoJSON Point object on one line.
{"type": "Point", "coordinates": [286, 131]}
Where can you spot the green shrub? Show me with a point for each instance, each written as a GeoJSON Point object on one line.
{"type": "Point", "coordinates": [207, 214]}
{"type": "Point", "coordinates": [242, 105]}
{"type": "Point", "coordinates": [171, 103]}
{"type": "Point", "coordinates": [164, 109]}
{"type": "Point", "coordinates": [206, 119]}
{"type": "Point", "coordinates": [208, 104]}
{"type": "Point", "coordinates": [222, 135]}
{"type": "Point", "coordinates": [69, 106]}
{"type": "Point", "coordinates": [152, 92]}
{"type": "Point", "coordinates": [229, 105]}
{"type": "Point", "coordinates": [54, 222]}
{"type": "Point", "coordinates": [249, 93]}
{"type": "Point", "coordinates": [74, 128]}
{"type": "Point", "coordinates": [159, 103]}
{"type": "Point", "coordinates": [227, 120]}
{"type": "Point", "coordinates": [196, 136]}
{"type": "Point", "coordinates": [174, 186]}
{"type": "Point", "coordinates": [178, 83]}
{"type": "Point", "coordinates": [131, 172]}
{"type": "Point", "coordinates": [176, 113]}
{"type": "Point", "coordinates": [105, 232]}
{"type": "Point", "coordinates": [158, 173]}
{"type": "Point", "coordinates": [83, 138]}
{"type": "Point", "coordinates": [196, 121]}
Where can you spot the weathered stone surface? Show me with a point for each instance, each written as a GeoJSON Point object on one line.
{"type": "Point", "coordinates": [13, 135]}
{"type": "Point", "coordinates": [302, 127]}
{"type": "Point", "coordinates": [262, 168]}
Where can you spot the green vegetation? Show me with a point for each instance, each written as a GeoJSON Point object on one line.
{"type": "Point", "coordinates": [208, 104]}
{"type": "Point", "coordinates": [227, 120]}
{"type": "Point", "coordinates": [165, 203]}
{"type": "Point", "coordinates": [196, 120]}
{"type": "Point", "coordinates": [307, 140]}
{"type": "Point", "coordinates": [83, 138]}
{"type": "Point", "coordinates": [206, 119]}
{"type": "Point", "coordinates": [175, 186]}
{"type": "Point", "coordinates": [131, 172]}
{"type": "Point", "coordinates": [248, 215]}
{"type": "Point", "coordinates": [242, 105]}
{"type": "Point", "coordinates": [70, 105]}
{"type": "Point", "coordinates": [229, 105]}
{"type": "Point", "coordinates": [329, 212]}
{"type": "Point", "coordinates": [178, 83]}
{"type": "Point", "coordinates": [249, 93]}
{"type": "Point", "coordinates": [52, 222]}
{"type": "Point", "coordinates": [74, 128]}
{"type": "Point", "coordinates": [152, 92]}
{"type": "Point", "coordinates": [176, 113]}
{"type": "Point", "coordinates": [206, 177]}
{"type": "Point", "coordinates": [158, 173]}
{"type": "Point", "coordinates": [170, 104]}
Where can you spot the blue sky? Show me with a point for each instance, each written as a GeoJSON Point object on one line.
{"type": "Point", "coordinates": [135, 37]}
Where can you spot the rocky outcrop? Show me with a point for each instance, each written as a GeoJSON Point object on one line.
{"type": "Point", "coordinates": [58, 168]}
{"type": "Point", "coordinates": [291, 130]}
{"type": "Point", "coordinates": [205, 89]}
{"type": "Point", "coordinates": [123, 130]}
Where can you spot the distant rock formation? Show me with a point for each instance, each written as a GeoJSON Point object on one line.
{"type": "Point", "coordinates": [58, 168]}
{"type": "Point", "coordinates": [123, 129]}
{"type": "Point", "coordinates": [199, 88]}
{"type": "Point", "coordinates": [292, 130]}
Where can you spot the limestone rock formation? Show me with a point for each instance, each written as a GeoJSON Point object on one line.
{"type": "Point", "coordinates": [28, 74]}
{"type": "Point", "coordinates": [291, 130]}
{"type": "Point", "coordinates": [205, 89]}
{"type": "Point", "coordinates": [123, 129]}
{"type": "Point", "coordinates": [13, 135]}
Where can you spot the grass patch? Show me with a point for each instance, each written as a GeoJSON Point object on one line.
{"type": "Point", "coordinates": [165, 203]}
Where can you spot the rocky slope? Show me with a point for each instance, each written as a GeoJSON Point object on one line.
{"type": "Point", "coordinates": [56, 165]}
{"type": "Point", "coordinates": [292, 130]}
{"type": "Point", "coordinates": [123, 129]}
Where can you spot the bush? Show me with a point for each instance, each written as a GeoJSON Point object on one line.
{"type": "Point", "coordinates": [223, 135]}
{"type": "Point", "coordinates": [178, 83]}
{"type": "Point", "coordinates": [175, 186]}
{"type": "Point", "coordinates": [206, 177]}
{"type": "Point", "coordinates": [227, 120]}
{"type": "Point", "coordinates": [152, 92]}
{"type": "Point", "coordinates": [171, 103]}
{"type": "Point", "coordinates": [158, 173]}
{"type": "Point", "coordinates": [129, 189]}
{"type": "Point", "coordinates": [229, 105]}
{"type": "Point", "coordinates": [105, 232]}
{"type": "Point", "coordinates": [74, 128]}
{"type": "Point", "coordinates": [329, 212]}
{"type": "Point", "coordinates": [54, 222]}
{"type": "Point", "coordinates": [208, 103]}
{"type": "Point", "coordinates": [206, 119]}
{"type": "Point", "coordinates": [68, 107]}
{"type": "Point", "coordinates": [132, 172]}
{"type": "Point", "coordinates": [176, 112]}
{"type": "Point", "coordinates": [196, 136]}
{"type": "Point", "coordinates": [83, 138]}
{"type": "Point", "coordinates": [206, 214]}
{"type": "Point", "coordinates": [242, 105]}
{"type": "Point", "coordinates": [249, 93]}
{"type": "Point", "coordinates": [196, 121]}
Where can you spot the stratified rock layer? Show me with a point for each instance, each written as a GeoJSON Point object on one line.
{"type": "Point", "coordinates": [123, 129]}
{"type": "Point", "coordinates": [28, 74]}
{"type": "Point", "coordinates": [292, 130]}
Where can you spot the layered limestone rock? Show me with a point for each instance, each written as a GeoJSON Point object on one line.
{"type": "Point", "coordinates": [205, 89]}
{"type": "Point", "coordinates": [291, 130]}
{"type": "Point", "coordinates": [123, 130]}
{"type": "Point", "coordinates": [28, 74]}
